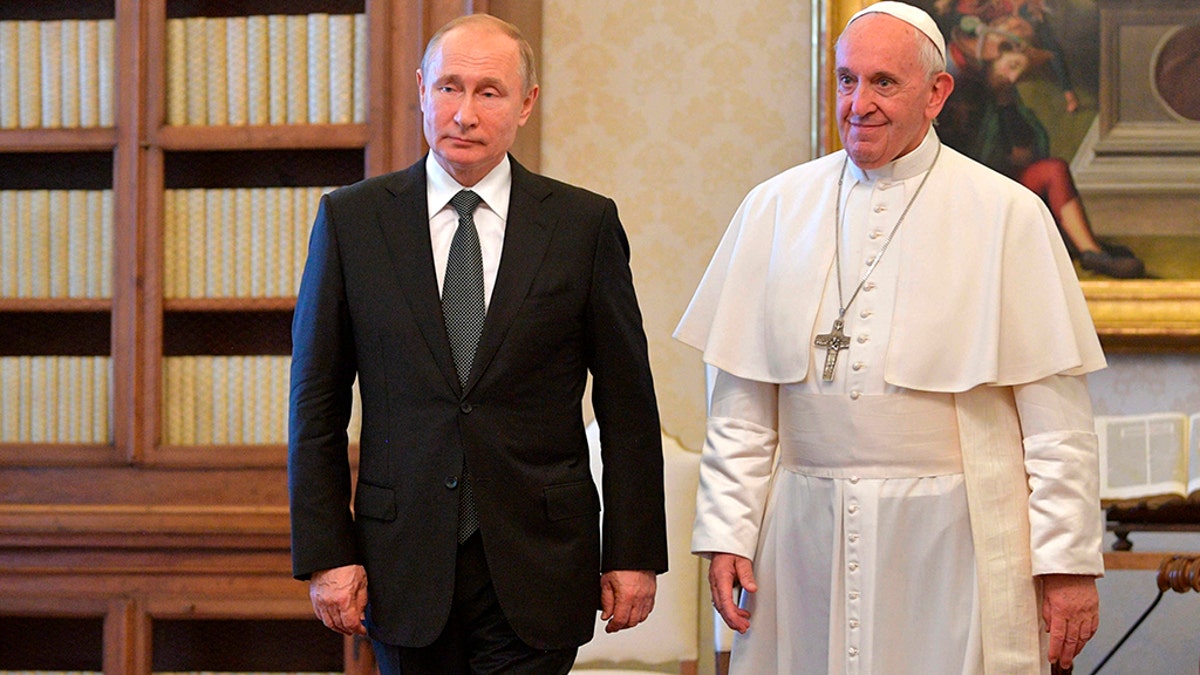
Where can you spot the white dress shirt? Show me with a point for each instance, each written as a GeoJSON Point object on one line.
{"type": "Point", "coordinates": [491, 216]}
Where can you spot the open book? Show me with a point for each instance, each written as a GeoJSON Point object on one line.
{"type": "Point", "coordinates": [1152, 458]}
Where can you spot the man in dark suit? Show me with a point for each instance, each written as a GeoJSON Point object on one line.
{"type": "Point", "coordinates": [471, 298]}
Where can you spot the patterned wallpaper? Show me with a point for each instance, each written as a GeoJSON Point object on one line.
{"type": "Point", "coordinates": [674, 109]}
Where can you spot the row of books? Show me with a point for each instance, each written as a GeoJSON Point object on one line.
{"type": "Point", "coordinates": [56, 74]}
{"type": "Point", "coordinates": [56, 243]}
{"type": "Point", "coordinates": [277, 69]}
{"type": "Point", "coordinates": [231, 400]}
{"type": "Point", "coordinates": [55, 399]}
{"type": "Point", "coordinates": [236, 242]}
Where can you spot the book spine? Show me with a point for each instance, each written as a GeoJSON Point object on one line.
{"type": "Point", "coordinates": [206, 432]}
{"type": "Point", "coordinates": [10, 76]}
{"type": "Point", "coordinates": [243, 222]}
{"type": "Point", "coordinates": [67, 396]}
{"type": "Point", "coordinates": [217, 70]}
{"type": "Point", "coordinates": [172, 409]}
{"type": "Point", "coordinates": [70, 73]}
{"type": "Point", "coordinates": [194, 223]}
{"type": "Point", "coordinates": [360, 68]}
{"type": "Point", "coordinates": [277, 71]}
{"type": "Point", "coordinates": [40, 221]}
{"type": "Point", "coordinates": [271, 227]}
{"type": "Point", "coordinates": [85, 404]}
{"type": "Point", "coordinates": [197, 69]}
{"type": "Point", "coordinates": [212, 244]}
{"type": "Point", "coordinates": [228, 223]}
{"type": "Point", "coordinates": [236, 59]}
{"type": "Point", "coordinates": [170, 241]}
{"type": "Point", "coordinates": [52, 73]}
{"type": "Point", "coordinates": [318, 68]}
{"type": "Point", "coordinates": [23, 201]}
{"type": "Point", "coordinates": [8, 403]}
{"type": "Point", "coordinates": [188, 397]}
{"type": "Point", "coordinates": [89, 74]}
{"type": "Point", "coordinates": [257, 227]}
{"type": "Point", "coordinates": [92, 244]}
{"type": "Point", "coordinates": [105, 261]}
{"type": "Point", "coordinates": [297, 69]}
{"type": "Point", "coordinates": [284, 240]}
{"type": "Point", "coordinates": [10, 257]}
{"type": "Point", "coordinates": [108, 64]}
{"type": "Point", "coordinates": [29, 74]}
{"type": "Point", "coordinates": [340, 67]}
{"type": "Point", "coordinates": [235, 400]}
{"type": "Point", "coordinates": [78, 268]}
{"type": "Point", "coordinates": [59, 244]}
{"type": "Point", "coordinates": [258, 70]}
{"type": "Point", "coordinates": [177, 64]}
{"type": "Point", "coordinates": [38, 401]}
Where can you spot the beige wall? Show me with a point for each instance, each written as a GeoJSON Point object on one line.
{"type": "Point", "coordinates": [674, 109]}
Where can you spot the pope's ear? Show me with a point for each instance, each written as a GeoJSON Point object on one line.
{"type": "Point", "coordinates": [941, 88]}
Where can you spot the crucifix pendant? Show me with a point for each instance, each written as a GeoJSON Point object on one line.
{"type": "Point", "coordinates": [834, 341]}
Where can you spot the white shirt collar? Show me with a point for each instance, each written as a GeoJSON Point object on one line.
{"type": "Point", "coordinates": [494, 188]}
{"type": "Point", "coordinates": [904, 167]}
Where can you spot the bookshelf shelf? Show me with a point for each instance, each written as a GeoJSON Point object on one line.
{"type": "Point", "coordinates": [58, 140]}
{"type": "Point", "coordinates": [218, 305]}
{"type": "Point", "coordinates": [263, 137]}
{"type": "Point", "coordinates": [52, 305]}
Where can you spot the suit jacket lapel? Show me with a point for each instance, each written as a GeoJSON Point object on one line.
{"type": "Point", "coordinates": [404, 222]}
{"type": "Point", "coordinates": [526, 238]}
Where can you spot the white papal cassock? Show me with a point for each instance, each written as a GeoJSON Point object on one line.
{"type": "Point", "coordinates": [898, 515]}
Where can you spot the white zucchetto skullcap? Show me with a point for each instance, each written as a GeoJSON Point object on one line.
{"type": "Point", "coordinates": [913, 16]}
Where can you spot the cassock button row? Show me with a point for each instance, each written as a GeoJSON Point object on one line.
{"type": "Point", "coordinates": [854, 480]}
{"type": "Point", "coordinates": [853, 595]}
{"type": "Point", "coordinates": [869, 260]}
{"type": "Point", "coordinates": [880, 208]}
{"type": "Point", "coordinates": [875, 234]}
{"type": "Point", "coordinates": [865, 314]}
{"type": "Point", "coordinates": [853, 566]}
{"type": "Point", "coordinates": [858, 365]}
{"type": "Point", "coordinates": [854, 623]}
{"type": "Point", "coordinates": [853, 508]}
{"type": "Point", "coordinates": [855, 394]}
{"type": "Point", "coordinates": [853, 651]}
{"type": "Point", "coordinates": [862, 339]}
{"type": "Point", "coordinates": [869, 286]}
{"type": "Point", "coordinates": [452, 482]}
{"type": "Point", "coordinates": [853, 538]}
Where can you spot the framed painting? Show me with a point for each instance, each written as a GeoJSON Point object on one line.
{"type": "Point", "coordinates": [1093, 105]}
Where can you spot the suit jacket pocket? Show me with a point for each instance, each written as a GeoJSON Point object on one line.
{"type": "Point", "coordinates": [372, 501]}
{"type": "Point", "coordinates": [571, 500]}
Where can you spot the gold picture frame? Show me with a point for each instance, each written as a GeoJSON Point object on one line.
{"type": "Point", "coordinates": [1151, 315]}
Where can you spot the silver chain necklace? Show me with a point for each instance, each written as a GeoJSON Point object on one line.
{"type": "Point", "coordinates": [836, 340]}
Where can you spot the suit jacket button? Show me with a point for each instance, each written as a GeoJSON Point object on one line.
{"type": "Point", "coordinates": [465, 408]}
{"type": "Point", "coordinates": [452, 482]}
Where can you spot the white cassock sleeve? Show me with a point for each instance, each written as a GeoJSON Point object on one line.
{"type": "Point", "coordinates": [736, 466]}
{"type": "Point", "coordinates": [1062, 460]}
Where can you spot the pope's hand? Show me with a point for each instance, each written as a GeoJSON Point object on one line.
{"type": "Point", "coordinates": [725, 574]}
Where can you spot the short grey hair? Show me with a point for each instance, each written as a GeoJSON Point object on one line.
{"type": "Point", "coordinates": [928, 55]}
{"type": "Point", "coordinates": [527, 65]}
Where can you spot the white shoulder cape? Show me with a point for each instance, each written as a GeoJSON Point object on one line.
{"type": "Point", "coordinates": [986, 291]}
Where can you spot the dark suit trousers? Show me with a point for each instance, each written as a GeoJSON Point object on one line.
{"type": "Point", "coordinates": [477, 638]}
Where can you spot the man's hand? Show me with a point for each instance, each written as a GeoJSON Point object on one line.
{"type": "Point", "coordinates": [626, 598]}
{"type": "Point", "coordinates": [339, 597]}
{"type": "Point", "coordinates": [1071, 610]}
{"type": "Point", "coordinates": [725, 574]}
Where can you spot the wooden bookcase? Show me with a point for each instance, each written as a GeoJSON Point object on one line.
{"type": "Point", "coordinates": [134, 555]}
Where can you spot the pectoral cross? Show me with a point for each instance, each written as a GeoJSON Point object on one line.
{"type": "Point", "coordinates": [834, 341]}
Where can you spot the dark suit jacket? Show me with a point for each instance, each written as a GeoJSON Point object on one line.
{"type": "Point", "coordinates": [563, 305]}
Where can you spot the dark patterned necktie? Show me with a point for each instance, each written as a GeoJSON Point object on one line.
{"type": "Point", "coordinates": [464, 310]}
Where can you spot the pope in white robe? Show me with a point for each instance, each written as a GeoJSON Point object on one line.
{"type": "Point", "coordinates": [902, 511]}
